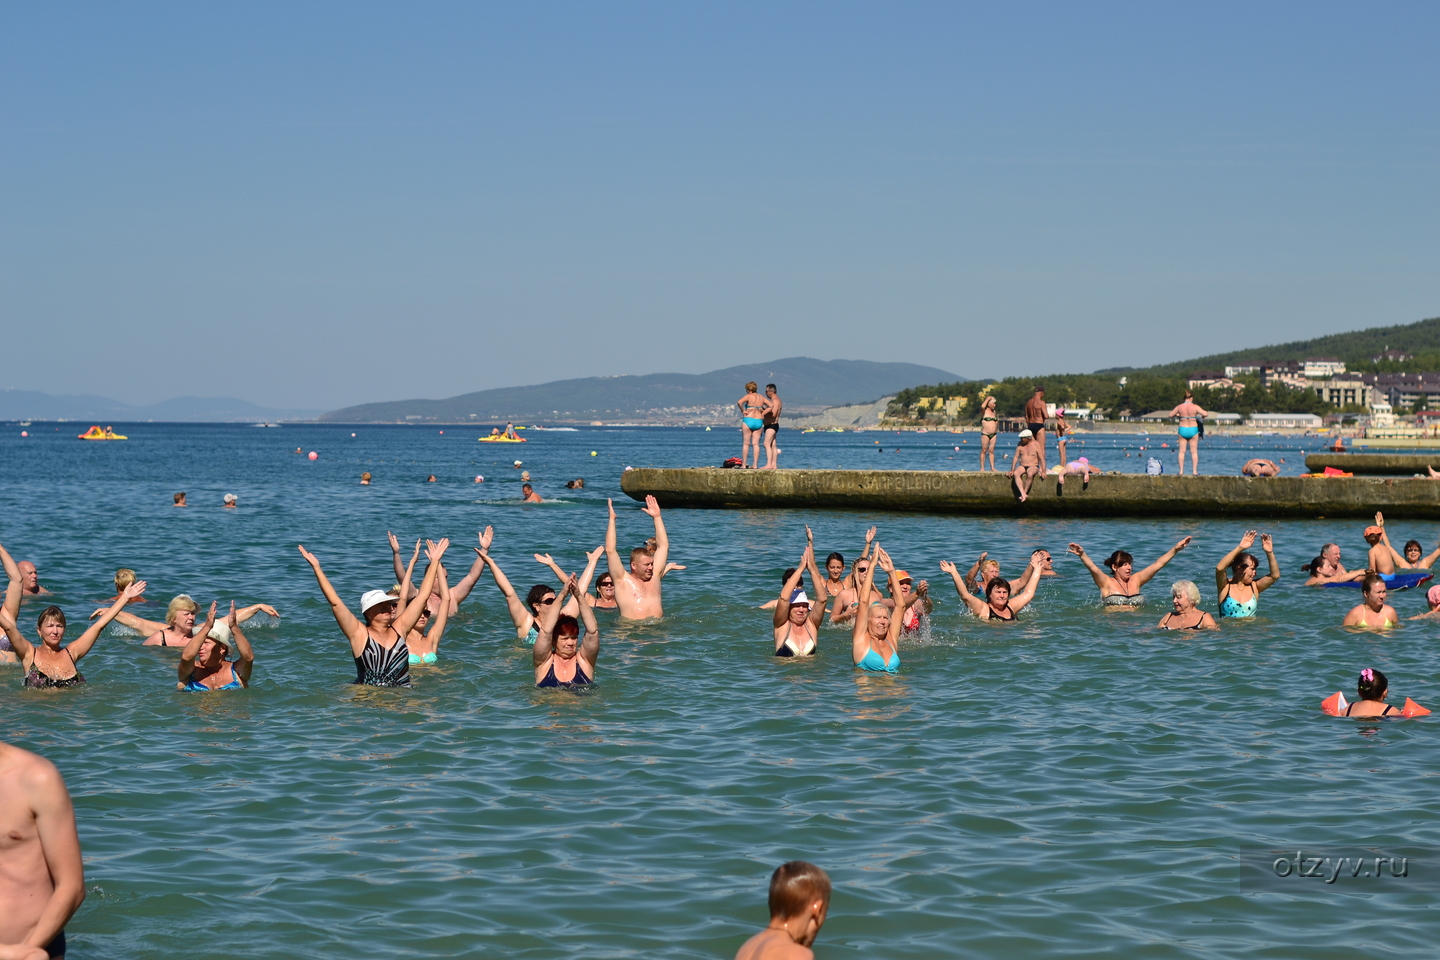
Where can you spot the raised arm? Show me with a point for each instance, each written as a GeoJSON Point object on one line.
{"type": "Point", "coordinates": [82, 644]}
{"type": "Point", "coordinates": [442, 615]}
{"type": "Point", "coordinates": [12, 597]}
{"type": "Point", "coordinates": [592, 559]}
{"type": "Point", "coordinates": [407, 578]}
{"type": "Point", "coordinates": [518, 614]}
{"type": "Point", "coordinates": [353, 629]}
{"type": "Point", "coordinates": [613, 562]}
{"type": "Point", "coordinates": [1037, 560]}
{"type": "Point", "coordinates": [975, 569]}
{"type": "Point", "coordinates": [243, 649]}
{"type": "Point", "coordinates": [23, 648]}
{"type": "Point", "coordinates": [662, 540]}
{"type": "Point", "coordinates": [1267, 581]}
{"type": "Point", "coordinates": [590, 645]}
{"type": "Point", "coordinates": [976, 605]}
{"type": "Point", "coordinates": [897, 620]}
{"type": "Point", "coordinates": [186, 669]}
{"type": "Point", "coordinates": [1143, 577]}
{"type": "Point", "coordinates": [782, 606]}
{"type": "Point", "coordinates": [817, 582]}
{"type": "Point", "coordinates": [1101, 578]}
{"type": "Point", "coordinates": [400, 575]}
{"type": "Point", "coordinates": [860, 633]}
{"type": "Point", "coordinates": [409, 615]}
{"type": "Point", "coordinates": [545, 626]}
{"type": "Point", "coordinates": [245, 613]}
{"type": "Point", "coordinates": [461, 590]}
{"type": "Point", "coordinates": [1245, 543]}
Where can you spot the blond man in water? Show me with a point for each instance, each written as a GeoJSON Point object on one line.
{"type": "Point", "coordinates": [637, 590]}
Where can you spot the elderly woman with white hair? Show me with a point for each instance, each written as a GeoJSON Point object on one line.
{"type": "Point", "coordinates": [1187, 614]}
{"type": "Point", "coordinates": [204, 667]}
{"type": "Point", "coordinates": [179, 626]}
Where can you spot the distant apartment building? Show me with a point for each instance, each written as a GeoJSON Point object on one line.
{"type": "Point", "coordinates": [1351, 391]}
{"type": "Point", "coordinates": [1405, 389]}
{"type": "Point", "coordinates": [1212, 380]}
{"type": "Point", "coordinates": [1291, 372]}
{"type": "Point", "coordinates": [1394, 356]}
{"type": "Point", "coordinates": [1289, 421]}
{"type": "Point", "coordinates": [1321, 368]}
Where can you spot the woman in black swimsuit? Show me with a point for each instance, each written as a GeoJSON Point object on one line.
{"type": "Point", "coordinates": [989, 428]}
{"type": "Point", "coordinates": [47, 664]}
{"type": "Point", "coordinates": [998, 604]}
{"type": "Point", "coordinates": [1373, 689]}
{"type": "Point", "coordinates": [377, 663]}
{"type": "Point", "coordinates": [560, 658]}
{"type": "Point", "coordinates": [1121, 587]}
{"type": "Point", "coordinates": [796, 618]}
{"type": "Point", "coordinates": [1187, 614]}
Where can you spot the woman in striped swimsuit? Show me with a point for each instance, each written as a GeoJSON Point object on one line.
{"type": "Point", "coordinates": [378, 644]}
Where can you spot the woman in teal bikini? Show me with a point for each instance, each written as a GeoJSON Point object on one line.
{"type": "Point", "coordinates": [422, 645]}
{"type": "Point", "coordinates": [1239, 593]}
{"type": "Point", "coordinates": [752, 423]}
{"type": "Point", "coordinates": [989, 427]}
{"type": "Point", "coordinates": [203, 667]}
{"type": "Point", "coordinates": [524, 615]}
{"type": "Point", "coordinates": [872, 643]}
{"type": "Point", "coordinates": [1189, 414]}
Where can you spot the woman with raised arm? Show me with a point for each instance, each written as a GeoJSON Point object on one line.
{"type": "Point", "coordinates": [423, 645]}
{"type": "Point", "coordinates": [525, 615]}
{"type": "Point", "coordinates": [873, 640]}
{"type": "Point", "coordinates": [1239, 593]}
{"type": "Point", "coordinates": [797, 618]}
{"type": "Point", "coordinates": [47, 664]}
{"type": "Point", "coordinates": [1121, 586]}
{"type": "Point", "coordinates": [998, 604]}
{"type": "Point", "coordinates": [591, 559]}
{"type": "Point", "coordinates": [179, 626]}
{"type": "Point", "coordinates": [381, 661]}
{"type": "Point", "coordinates": [203, 666]}
{"type": "Point", "coordinates": [405, 576]}
{"type": "Point", "coordinates": [560, 658]}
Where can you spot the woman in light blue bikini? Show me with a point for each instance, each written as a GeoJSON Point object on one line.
{"type": "Point", "coordinates": [422, 644]}
{"type": "Point", "coordinates": [1189, 414]}
{"type": "Point", "coordinates": [203, 666]}
{"type": "Point", "coordinates": [1239, 592]}
{"type": "Point", "coordinates": [752, 424]}
{"type": "Point", "coordinates": [872, 644]}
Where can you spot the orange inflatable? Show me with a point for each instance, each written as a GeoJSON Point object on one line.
{"type": "Point", "coordinates": [1336, 705]}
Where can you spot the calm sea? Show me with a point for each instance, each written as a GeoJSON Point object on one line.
{"type": "Point", "coordinates": [1079, 784]}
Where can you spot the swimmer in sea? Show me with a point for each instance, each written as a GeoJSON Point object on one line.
{"type": "Point", "coordinates": [592, 559]}
{"type": "Point", "coordinates": [1239, 593]}
{"type": "Point", "coordinates": [179, 626]}
{"type": "Point", "coordinates": [1317, 576]}
{"type": "Point", "coordinates": [42, 878]}
{"type": "Point", "coordinates": [123, 578]}
{"type": "Point", "coordinates": [405, 576]}
{"type": "Point", "coordinates": [915, 602]}
{"type": "Point", "coordinates": [1432, 598]}
{"type": "Point", "coordinates": [997, 604]}
{"type": "Point", "coordinates": [422, 641]}
{"type": "Point", "coordinates": [365, 479]}
{"type": "Point", "coordinates": [1188, 413]}
{"type": "Point", "coordinates": [847, 601]}
{"type": "Point", "coordinates": [203, 667]}
{"type": "Point", "coordinates": [984, 570]}
{"type": "Point", "coordinates": [1372, 690]}
{"type": "Point", "coordinates": [1260, 468]}
{"type": "Point", "coordinates": [528, 494]}
{"type": "Point", "coordinates": [876, 633]}
{"type": "Point", "coordinates": [179, 499]}
{"type": "Point", "coordinates": [561, 659]}
{"type": "Point", "coordinates": [30, 581]}
{"type": "Point", "coordinates": [377, 663]}
{"type": "Point", "coordinates": [797, 618]}
{"type": "Point", "coordinates": [637, 590]}
{"type": "Point", "coordinates": [989, 428]}
{"type": "Point", "coordinates": [526, 616]}
{"type": "Point", "coordinates": [752, 424]}
{"type": "Point", "coordinates": [799, 903]}
{"type": "Point", "coordinates": [1416, 557]}
{"type": "Point", "coordinates": [46, 663]}
{"type": "Point", "coordinates": [604, 598]}
{"type": "Point", "coordinates": [1382, 557]}
{"type": "Point", "coordinates": [1187, 615]}
{"type": "Point", "coordinates": [577, 484]}
{"type": "Point", "coordinates": [230, 501]}
{"type": "Point", "coordinates": [1374, 611]}
{"type": "Point", "coordinates": [1121, 587]}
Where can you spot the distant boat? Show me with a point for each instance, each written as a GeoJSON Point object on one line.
{"type": "Point", "coordinates": [95, 433]}
{"type": "Point", "coordinates": [24, 423]}
{"type": "Point", "coordinates": [265, 425]}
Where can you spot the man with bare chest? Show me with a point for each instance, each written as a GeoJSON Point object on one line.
{"type": "Point", "coordinates": [637, 590]}
{"type": "Point", "coordinates": [41, 878]}
{"type": "Point", "coordinates": [1029, 464]}
{"type": "Point", "coordinates": [1035, 423]}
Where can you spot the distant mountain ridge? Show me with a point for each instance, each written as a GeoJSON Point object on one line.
{"type": "Point", "coordinates": [34, 405]}
{"type": "Point", "coordinates": [801, 381]}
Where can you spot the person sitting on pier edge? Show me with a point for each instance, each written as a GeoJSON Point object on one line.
{"type": "Point", "coordinates": [1028, 464]}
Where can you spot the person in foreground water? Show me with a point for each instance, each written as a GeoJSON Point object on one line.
{"type": "Point", "coordinates": [379, 664]}
{"type": "Point", "coordinates": [1372, 689]}
{"type": "Point", "coordinates": [1187, 615]}
{"type": "Point", "coordinates": [204, 667]}
{"type": "Point", "coordinates": [405, 576]}
{"type": "Point", "coordinates": [47, 664]}
{"type": "Point", "coordinates": [1239, 593]}
{"type": "Point", "coordinates": [799, 903]}
{"type": "Point", "coordinates": [873, 640]}
{"type": "Point", "coordinates": [560, 658]}
{"type": "Point", "coordinates": [998, 603]}
{"type": "Point", "coordinates": [1373, 611]}
{"type": "Point", "coordinates": [637, 590]}
{"type": "Point", "coordinates": [42, 878]}
{"type": "Point", "coordinates": [526, 616]}
{"type": "Point", "coordinates": [1121, 587]}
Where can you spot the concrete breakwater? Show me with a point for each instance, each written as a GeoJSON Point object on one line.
{"type": "Point", "coordinates": [1112, 495]}
{"type": "Point", "coordinates": [1375, 464]}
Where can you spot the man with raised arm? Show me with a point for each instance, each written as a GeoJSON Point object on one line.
{"type": "Point", "coordinates": [41, 878]}
{"type": "Point", "coordinates": [637, 590]}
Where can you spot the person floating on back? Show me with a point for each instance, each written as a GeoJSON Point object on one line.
{"type": "Point", "coordinates": [799, 902]}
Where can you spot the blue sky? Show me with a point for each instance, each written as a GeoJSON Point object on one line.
{"type": "Point", "coordinates": [318, 205]}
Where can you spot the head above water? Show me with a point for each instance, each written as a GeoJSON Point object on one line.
{"type": "Point", "coordinates": [378, 604]}
{"type": "Point", "coordinates": [180, 605]}
{"type": "Point", "coordinates": [50, 615]}
{"type": "Point", "coordinates": [1331, 552]}
{"type": "Point", "coordinates": [1372, 685]}
{"type": "Point", "coordinates": [1187, 590]}
{"type": "Point", "coordinates": [567, 636]}
{"type": "Point", "coordinates": [1119, 559]}
{"type": "Point", "coordinates": [29, 576]}
{"type": "Point", "coordinates": [642, 563]}
{"type": "Point", "coordinates": [1374, 587]}
{"type": "Point", "coordinates": [1000, 586]}
{"type": "Point", "coordinates": [835, 565]}
{"type": "Point", "coordinates": [797, 886]}
{"type": "Point", "coordinates": [536, 598]}
{"type": "Point", "coordinates": [1242, 569]}
{"type": "Point", "coordinates": [1413, 551]}
{"type": "Point", "coordinates": [123, 578]}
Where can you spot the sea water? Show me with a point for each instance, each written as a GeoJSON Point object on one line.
{"type": "Point", "coordinates": [1078, 783]}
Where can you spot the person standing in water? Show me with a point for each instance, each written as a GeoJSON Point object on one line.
{"type": "Point", "coordinates": [1373, 611]}
{"type": "Point", "coordinates": [989, 428]}
{"type": "Point", "coordinates": [405, 576]}
{"type": "Point", "coordinates": [752, 424]}
{"type": "Point", "coordinates": [30, 580]}
{"type": "Point", "coordinates": [46, 663]}
{"type": "Point", "coordinates": [1035, 423]}
{"type": "Point", "coordinates": [1121, 587]}
{"type": "Point", "coordinates": [561, 659]}
{"type": "Point", "coordinates": [203, 666]}
{"type": "Point", "coordinates": [797, 617]}
{"type": "Point", "coordinates": [1239, 593]}
{"type": "Point", "coordinates": [1189, 413]}
{"type": "Point", "coordinates": [873, 641]}
{"type": "Point", "coordinates": [637, 590]}
{"type": "Point", "coordinates": [42, 877]}
{"type": "Point", "coordinates": [771, 429]}
{"type": "Point", "coordinates": [799, 903]}
{"type": "Point", "coordinates": [1186, 615]}
{"type": "Point", "coordinates": [998, 604]}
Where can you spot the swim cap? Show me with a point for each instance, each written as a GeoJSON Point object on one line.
{"type": "Point", "coordinates": [1373, 530]}
{"type": "Point", "coordinates": [1433, 595]}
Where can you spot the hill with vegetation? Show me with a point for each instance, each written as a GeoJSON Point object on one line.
{"type": "Point", "coordinates": [1122, 391]}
